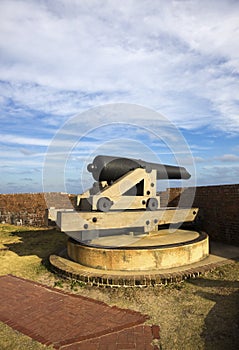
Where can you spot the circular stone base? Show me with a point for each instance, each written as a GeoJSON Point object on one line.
{"type": "Point", "coordinates": [161, 250]}
{"type": "Point", "coordinates": [136, 261]}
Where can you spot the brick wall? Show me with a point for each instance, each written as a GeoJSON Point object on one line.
{"type": "Point", "coordinates": [30, 208]}
{"type": "Point", "coordinates": [218, 209]}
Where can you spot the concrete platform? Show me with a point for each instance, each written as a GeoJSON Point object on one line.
{"type": "Point", "coordinates": [220, 254]}
{"type": "Point", "coordinates": [159, 238]}
{"type": "Point", "coordinates": [162, 249]}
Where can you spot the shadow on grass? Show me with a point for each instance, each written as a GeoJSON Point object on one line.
{"type": "Point", "coordinates": [210, 283]}
{"type": "Point", "coordinates": [221, 327]}
{"type": "Point", "coordinates": [41, 243]}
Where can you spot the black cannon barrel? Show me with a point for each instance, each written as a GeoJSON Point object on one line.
{"type": "Point", "coordinates": [108, 168]}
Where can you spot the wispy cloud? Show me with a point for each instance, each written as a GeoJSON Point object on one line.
{"type": "Point", "coordinates": [217, 174]}
{"type": "Point", "coordinates": [21, 140]}
{"type": "Point", "coordinates": [228, 158]}
{"type": "Point", "coordinates": [59, 59]}
{"type": "Point", "coordinates": [178, 57]}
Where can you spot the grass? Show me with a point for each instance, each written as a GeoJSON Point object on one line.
{"type": "Point", "coordinates": [200, 313]}
{"type": "Point", "coordinates": [22, 250]}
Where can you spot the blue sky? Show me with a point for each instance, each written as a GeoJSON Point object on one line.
{"type": "Point", "coordinates": [60, 59]}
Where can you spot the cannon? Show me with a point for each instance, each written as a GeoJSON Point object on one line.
{"type": "Point", "coordinates": [124, 198]}
{"type": "Point", "coordinates": [119, 179]}
{"type": "Point", "coordinates": [107, 168]}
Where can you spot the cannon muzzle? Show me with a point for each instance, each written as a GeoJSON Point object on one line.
{"type": "Point", "coordinates": [107, 168]}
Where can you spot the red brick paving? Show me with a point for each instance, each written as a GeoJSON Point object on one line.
{"type": "Point", "coordinates": [137, 337]}
{"type": "Point", "coordinates": [69, 321]}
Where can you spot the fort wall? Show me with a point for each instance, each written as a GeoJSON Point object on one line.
{"type": "Point", "coordinates": [218, 209]}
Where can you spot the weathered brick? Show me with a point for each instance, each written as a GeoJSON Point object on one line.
{"type": "Point", "coordinates": [30, 208]}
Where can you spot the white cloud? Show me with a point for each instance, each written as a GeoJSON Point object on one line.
{"type": "Point", "coordinates": [21, 140]}
{"type": "Point", "coordinates": [229, 158]}
{"type": "Point", "coordinates": [178, 57]}
{"type": "Point", "coordinates": [219, 174]}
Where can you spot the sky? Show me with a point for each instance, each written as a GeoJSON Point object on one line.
{"type": "Point", "coordinates": [156, 80]}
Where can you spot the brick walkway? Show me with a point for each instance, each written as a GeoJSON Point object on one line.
{"type": "Point", "coordinates": [69, 321]}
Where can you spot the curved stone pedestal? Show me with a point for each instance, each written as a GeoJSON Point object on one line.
{"type": "Point", "coordinates": [134, 261]}
{"type": "Point", "coordinates": [161, 250]}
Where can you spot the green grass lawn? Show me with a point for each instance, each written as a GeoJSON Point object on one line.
{"type": "Point", "coordinates": [200, 313]}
